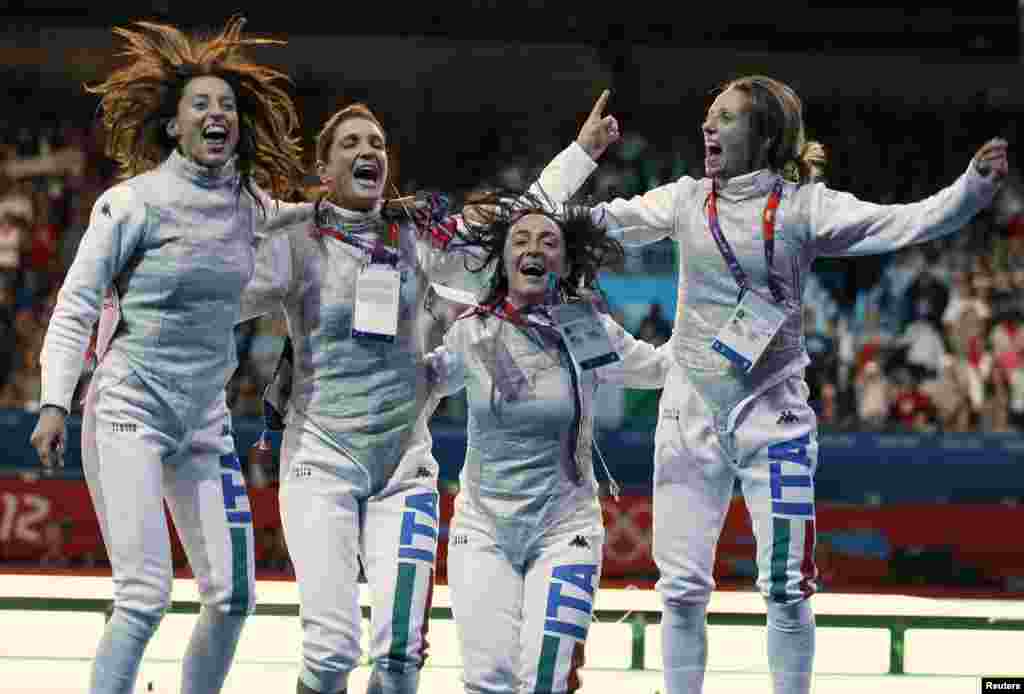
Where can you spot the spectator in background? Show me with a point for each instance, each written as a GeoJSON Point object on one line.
{"type": "Point", "coordinates": [872, 396]}
{"type": "Point", "coordinates": [821, 348]}
{"type": "Point", "coordinates": [949, 396]}
{"type": "Point", "coordinates": [16, 217]}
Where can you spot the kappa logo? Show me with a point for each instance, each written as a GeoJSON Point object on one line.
{"type": "Point", "coordinates": [787, 417]}
{"type": "Point", "coordinates": [422, 472]}
{"type": "Point", "coordinates": [123, 428]}
{"type": "Point", "coordinates": [580, 541]}
{"type": "Point", "coordinates": [106, 210]}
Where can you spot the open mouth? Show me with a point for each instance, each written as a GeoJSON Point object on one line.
{"type": "Point", "coordinates": [366, 172]}
{"type": "Point", "coordinates": [532, 268]}
{"type": "Point", "coordinates": [215, 134]}
{"type": "Point", "coordinates": [712, 149]}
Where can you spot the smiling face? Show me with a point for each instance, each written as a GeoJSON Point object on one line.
{"type": "Point", "coordinates": [534, 247]}
{"type": "Point", "coordinates": [357, 164]}
{"type": "Point", "coordinates": [730, 146]}
{"type": "Point", "coordinates": [206, 123]}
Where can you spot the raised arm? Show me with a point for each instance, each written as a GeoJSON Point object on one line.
{"type": "Point", "coordinates": [842, 225]}
{"type": "Point", "coordinates": [638, 220]}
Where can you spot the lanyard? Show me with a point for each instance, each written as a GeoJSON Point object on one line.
{"type": "Point", "coordinates": [536, 316]}
{"type": "Point", "coordinates": [767, 225]}
{"type": "Point", "coordinates": [539, 317]}
{"type": "Point", "coordinates": [377, 251]}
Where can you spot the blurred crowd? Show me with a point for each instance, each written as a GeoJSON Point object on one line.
{"type": "Point", "coordinates": [928, 339]}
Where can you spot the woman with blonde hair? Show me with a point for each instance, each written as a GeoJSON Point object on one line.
{"type": "Point", "coordinates": [195, 127]}
{"type": "Point", "coordinates": [735, 404]}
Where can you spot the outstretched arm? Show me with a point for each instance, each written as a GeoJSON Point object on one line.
{"type": "Point", "coordinates": [842, 225]}
{"type": "Point", "coordinates": [641, 365]}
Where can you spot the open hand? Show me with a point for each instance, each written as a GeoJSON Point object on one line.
{"type": "Point", "coordinates": [49, 437]}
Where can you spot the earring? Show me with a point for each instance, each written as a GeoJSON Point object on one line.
{"type": "Point", "coordinates": [172, 128]}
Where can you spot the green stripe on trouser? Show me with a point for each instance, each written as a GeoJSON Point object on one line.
{"type": "Point", "coordinates": [548, 661]}
{"type": "Point", "coordinates": [404, 587]}
{"type": "Point", "coordinates": [781, 537]}
{"type": "Point", "coordinates": [239, 571]}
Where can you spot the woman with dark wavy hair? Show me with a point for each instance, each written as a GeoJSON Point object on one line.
{"type": "Point", "coordinates": [735, 406]}
{"type": "Point", "coordinates": [525, 543]}
{"type": "Point", "coordinates": [358, 477]}
{"type": "Point", "coordinates": [194, 126]}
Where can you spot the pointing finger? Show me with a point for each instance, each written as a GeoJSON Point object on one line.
{"type": "Point", "coordinates": [602, 101]}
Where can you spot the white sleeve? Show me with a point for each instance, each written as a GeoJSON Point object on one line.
{"type": "Point", "coordinates": [842, 225]}
{"type": "Point", "coordinates": [271, 279]}
{"type": "Point", "coordinates": [641, 365]}
{"type": "Point", "coordinates": [443, 251]}
{"type": "Point", "coordinates": [278, 215]}
{"type": "Point", "coordinates": [116, 226]}
{"type": "Point", "coordinates": [638, 220]}
{"type": "Point", "coordinates": [445, 365]}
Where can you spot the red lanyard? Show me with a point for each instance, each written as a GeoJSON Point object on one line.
{"type": "Point", "coordinates": [378, 252]}
{"type": "Point", "coordinates": [768, 227]}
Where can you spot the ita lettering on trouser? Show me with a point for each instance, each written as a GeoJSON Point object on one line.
{"type": "Point", "coordinates": [565, 610]}
{"type": "Point", "coordinates": [425, 504]}
{"type": "Point", "coordinates": [236, 499]}
{"type": "Point", "coordinates": [790, 478]}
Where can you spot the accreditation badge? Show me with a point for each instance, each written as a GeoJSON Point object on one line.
{"type": "Point", "coordinates": [584, 334]}
{"type": "Point", "coordinates": [750, 328]}
{"type": "Point", "coordinates": [378, 291]}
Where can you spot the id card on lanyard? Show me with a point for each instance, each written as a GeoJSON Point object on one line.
{"type": "Point", "coordinates": [584, 334]}
{"type": "Point", "coordinates": [378, 293]}
{"type": "Point", "coordinates": [756, 319]}
{"type": "Point", "coordinates": [378, 285]}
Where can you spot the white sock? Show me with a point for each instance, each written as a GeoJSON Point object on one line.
{"type": "Point", "coordinates": [684, 647]}
{"type": "Point", "coordinates": [383, 681]}
{"type": "Point", "coordinates": [210, 651]}
{"type": "Point", "coordinates": [791, 647]}
{"type": "Point", "coordinates": [116, 665]}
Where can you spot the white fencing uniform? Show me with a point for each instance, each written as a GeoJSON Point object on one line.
{"type": "Point", "coordinates": [718, 423]}
{"type": "Point", "coordinates": [177, 246]}
{"type": "Point", "coordinates": [525, 544]}
{"type": "Point", "coordinates": [357, 474]}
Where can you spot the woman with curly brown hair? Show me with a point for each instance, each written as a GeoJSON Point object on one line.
{"type": "Point", "coordinates": [194, 126]}
{"type": "Point", "coordinates": [358, 478]}
{"type": "Point", "coordinates": [525, 543]}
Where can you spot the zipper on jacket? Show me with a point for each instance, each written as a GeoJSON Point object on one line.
{"type": "Point", "coordinates": [576, 475]}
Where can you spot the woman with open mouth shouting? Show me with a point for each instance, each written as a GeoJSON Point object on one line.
{"type": "Point", "coordinates": [358, 480]}
{"type": "Point", "coordinates": [735, 403]}
{"type": "Point", "coordinates": [192, 124]}
{"type": "Point", "coordinates": [525, 544]}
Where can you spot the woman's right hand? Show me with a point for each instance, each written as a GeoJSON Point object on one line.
{"type": "Point", "coordinates": [598, 132]}
{"type": "Point", "coordinates": [49, 436]}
